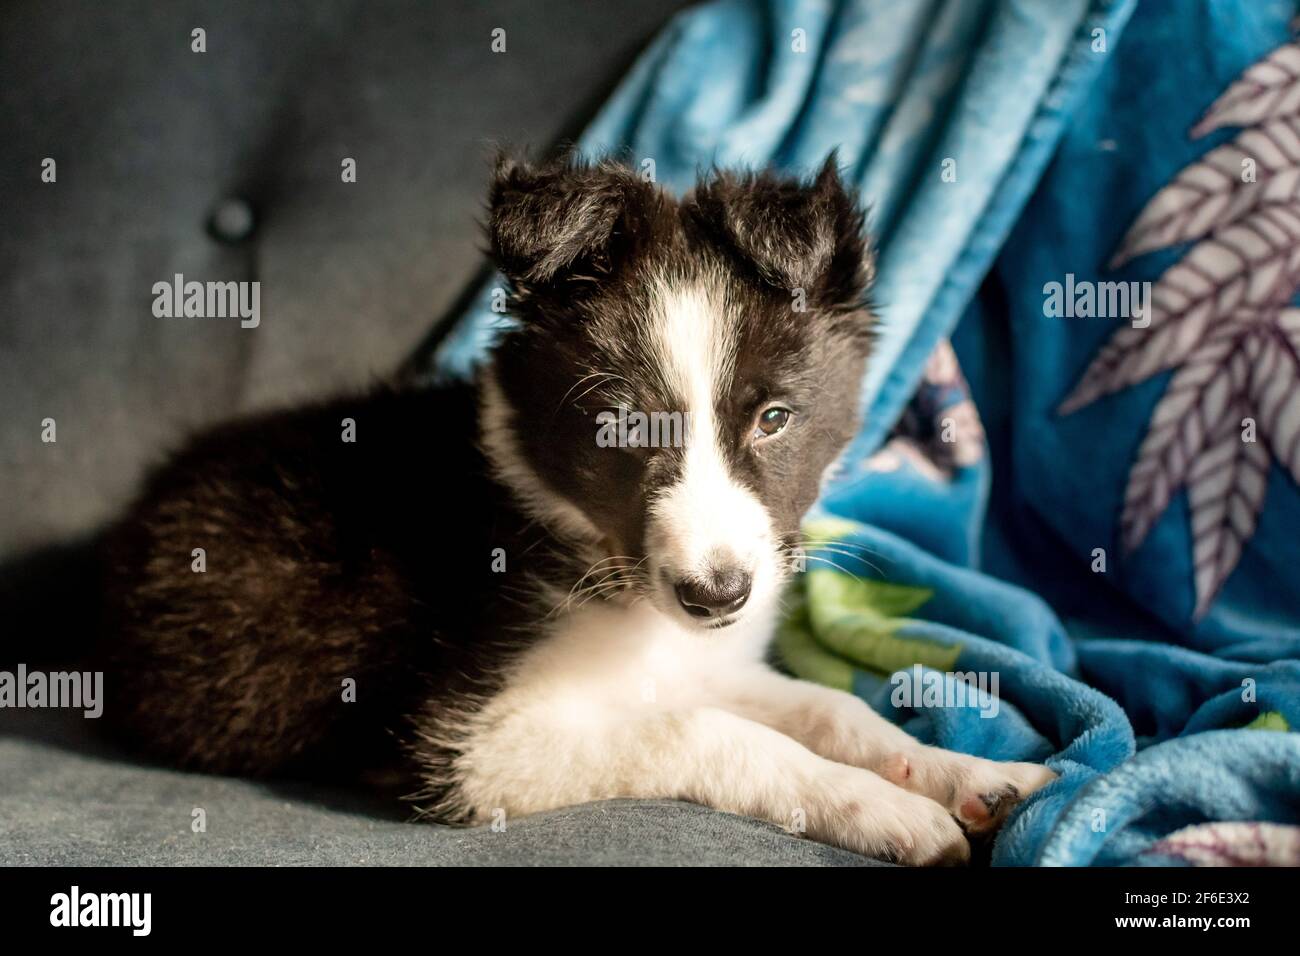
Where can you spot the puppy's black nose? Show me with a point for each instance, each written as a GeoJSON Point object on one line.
{"type": "Point", "coordinates": [717, 595]}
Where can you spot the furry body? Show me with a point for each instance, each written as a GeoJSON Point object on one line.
{"type": "Point", "coordinates": [533, 619]}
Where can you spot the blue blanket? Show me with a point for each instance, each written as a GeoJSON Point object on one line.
{"type": "Point", "coordinates": [1084, 510]}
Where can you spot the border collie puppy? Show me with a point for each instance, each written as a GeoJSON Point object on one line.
{"type": "Point", "coordinates": [525, 615]}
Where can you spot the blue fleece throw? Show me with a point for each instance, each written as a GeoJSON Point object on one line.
{"type": "Point", "coordinates": [1070, 527]}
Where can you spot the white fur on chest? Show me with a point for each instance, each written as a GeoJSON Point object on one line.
{"type": "Point", "coordinates": [570, 697]}
{"type": "Point", "coordinates": [635, 658]}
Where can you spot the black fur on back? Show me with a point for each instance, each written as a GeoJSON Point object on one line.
{"type": "Point", "coordinates": [325, 560]}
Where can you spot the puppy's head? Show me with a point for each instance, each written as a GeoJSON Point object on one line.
{"type": "Point", "coordinates": [683, 372]}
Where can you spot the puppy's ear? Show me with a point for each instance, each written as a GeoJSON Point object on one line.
{"type": "Point", "coordinates": [794, 234]}
{"type": "Point", "coordinates": [563, 222]}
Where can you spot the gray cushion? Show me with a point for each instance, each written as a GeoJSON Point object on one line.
{"type": "Point", "coordinates": [65, 800]}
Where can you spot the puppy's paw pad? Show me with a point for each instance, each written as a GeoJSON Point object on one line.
{"type": "Point", "coordinates": [896, 769]}
{"type": "Point", "coordinates": [981, 812]}
{"type": "Point", "coordinates": [990, 791]}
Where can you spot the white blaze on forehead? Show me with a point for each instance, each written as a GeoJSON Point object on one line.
{"type": "Point", "coordinates": [694, 343]}
{"type": "Point", "coordinates": [706, 520]}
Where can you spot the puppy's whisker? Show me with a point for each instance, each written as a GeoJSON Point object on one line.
{"type": "Point", "coordinates": [838, 567]}
{"type": "Point", "coordinates": [846, 549]}
{"type": "Point", "coordinates": [603, 378]}
{"type": "Point", "coordinates": [580, 589]}
{"type": "Point", "coordinates": [595, 568]}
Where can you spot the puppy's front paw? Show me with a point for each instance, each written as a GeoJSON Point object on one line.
{"type": "Point", "coordinates": [925, 834]}
{"type": "Point", "coordinates": [979, 793]}
{"type": "Point", "coordinates": [872, 817]}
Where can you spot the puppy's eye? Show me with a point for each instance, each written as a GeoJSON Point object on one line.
{"type": "Point", "coordinates": [771, 420]}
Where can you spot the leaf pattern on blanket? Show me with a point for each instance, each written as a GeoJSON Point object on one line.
{"type": "Point", "coordinates": [1225, 491]}
{"type": "Point", "coordinates": [865, 621]}
{"type": "Point", "coordinates": [1232, 843]}
{"type": "Point", "coordinates": [840, 618]}
{"type": "Point", "coordinates": [1251, 265]}
{"type": "Point", "coordinates": [1267, 89]}
{"type": "Point", "coordinates": [1220, 316]}
{"type": "Point", "coordinates": [1275, 388]}
{"type": "Point", "coordinates": [1207, 195]}
{"type": "Point", "coordinates": [1199, 403]}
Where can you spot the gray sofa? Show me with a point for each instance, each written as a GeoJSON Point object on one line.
{"type": "Point", "coordinates": [226, 164]}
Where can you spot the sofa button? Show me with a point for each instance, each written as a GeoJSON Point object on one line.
{"type": "Point", "coordinates": [231, 221]}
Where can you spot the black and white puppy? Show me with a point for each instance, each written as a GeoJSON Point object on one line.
{"type": "Point", "coordinates": [528, 615]}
